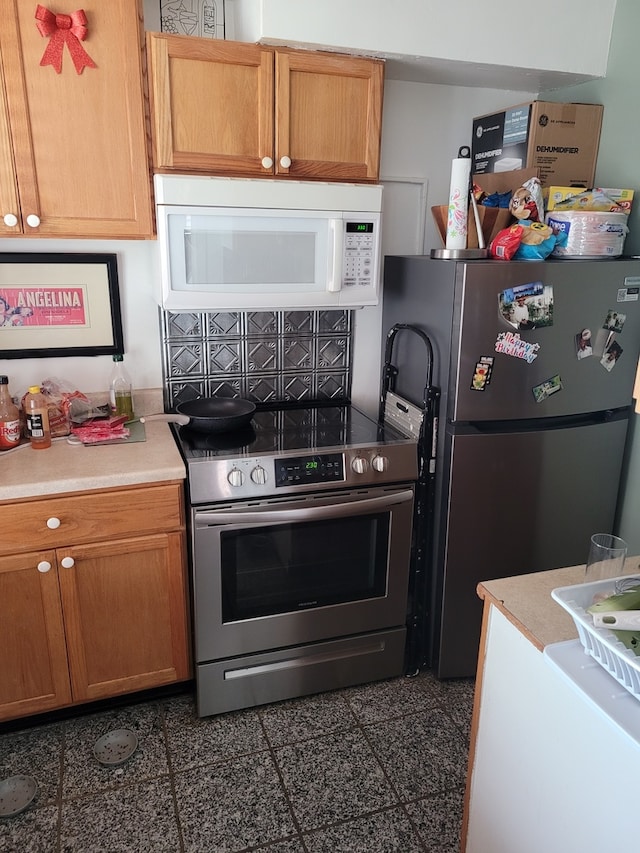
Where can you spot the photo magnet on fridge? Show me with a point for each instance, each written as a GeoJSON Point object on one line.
{"type": "Point", "coordinates": [611, 356]}
{"type": "Point", "coordinates": [547, 388]}
{"type": "Point", "coordinates": [527, 306]}
{"type": "Point", "coordinates": [583, 344]}
{"type": "Point", "coordinates": [614, 321]}
{"type": "Point", "coordinates": [482, 374]}
{"type": "Point", "coordinates": [488, 361]}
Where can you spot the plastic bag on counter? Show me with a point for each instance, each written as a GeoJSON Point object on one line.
{"type": "Point", "coordinates": [64, 404]}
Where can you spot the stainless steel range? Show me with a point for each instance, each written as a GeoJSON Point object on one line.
{"type": "Point", "coordinates": [300, 541]}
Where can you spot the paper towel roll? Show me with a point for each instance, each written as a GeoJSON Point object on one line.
{"type": "Point", "coordinates": [458, 203]}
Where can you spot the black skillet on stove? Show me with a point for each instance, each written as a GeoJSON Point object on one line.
{"type": "Point", "coordinates": [217, 414]}
{"type": "Point", "coordinates": [211, 414]}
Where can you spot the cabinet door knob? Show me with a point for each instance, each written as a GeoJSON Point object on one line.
{"type": "Point", "coordinates": [67, 562]}
{"type": "Point", "coordinates": [285, 162]}
{"type": "Point", "coordinates": [10, 219]}
{"type": "Point", "coordinates": [53, 523]}
{"type": "Point", "coordinates": [267, 163]}
{"type": "Point", "coordinates": [33, 221]}
{"type": "Point", "coordinates": [44, 567]}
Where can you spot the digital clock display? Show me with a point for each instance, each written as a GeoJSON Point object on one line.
{"type": "Point", "coordinates": [359, 227]}
{"type": "Point", "coordinates": [303, 470]}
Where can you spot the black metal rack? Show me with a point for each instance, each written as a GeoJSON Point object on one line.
{"type": "Point", "coordinates": [422, 422]}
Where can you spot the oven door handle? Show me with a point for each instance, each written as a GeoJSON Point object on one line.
{"type": "Point", "coordinates": [339, 510]}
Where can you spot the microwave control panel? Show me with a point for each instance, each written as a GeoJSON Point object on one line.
{"type": "Point", "coordinates": [359, 246]}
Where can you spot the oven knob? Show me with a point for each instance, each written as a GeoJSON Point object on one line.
{"type": "Point", "coordinates": [380, 463]}
{"type": "Point", "coordinates": [360, 465]}
{"type": "Point", "coordinates": [235, 477]}
{"type": "Point", "coordinates": [259, 475]}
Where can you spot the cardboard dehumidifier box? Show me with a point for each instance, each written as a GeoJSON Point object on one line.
{"type": "Point", "coordinates": [559, 140]}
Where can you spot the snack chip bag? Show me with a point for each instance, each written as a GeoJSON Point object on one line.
{"type": "Point", "coordinates": [506, 243]}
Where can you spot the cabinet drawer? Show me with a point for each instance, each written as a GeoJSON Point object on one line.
{"type": "Point", "coordinates": [90, 518]}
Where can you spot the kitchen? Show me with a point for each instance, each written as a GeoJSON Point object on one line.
{"type": "Point", "coordinates": [418, 158]}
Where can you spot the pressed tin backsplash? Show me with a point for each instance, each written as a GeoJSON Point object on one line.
{"type": "Point", "coordinates": [264, 356]}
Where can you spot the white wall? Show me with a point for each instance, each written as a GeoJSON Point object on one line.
{"type": "Point", "coordinates": [136, 261]}
{"type": "Point", "coordinates": [423, 127]}
{"type": "Point", "coordinates": [619, 166]}
{"type": "Point", "coordinates": [460, 42]}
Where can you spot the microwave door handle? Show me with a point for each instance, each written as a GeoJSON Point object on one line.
{"type": "Point", "coordinates": [336, 232]}
{"type": "Point", "coordinates": [340, 510]}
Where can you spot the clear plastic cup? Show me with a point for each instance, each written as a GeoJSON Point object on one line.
{"type": "Point", "coordinates": [607, 554]}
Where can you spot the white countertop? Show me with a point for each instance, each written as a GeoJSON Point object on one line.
{"type": "Point", "coordinates": [63, 468]}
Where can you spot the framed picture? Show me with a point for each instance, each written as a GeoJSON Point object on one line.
{"type": "Point", "coordinates": [59, 305]}
{"type": "Point", "coordinates": [193, 17]}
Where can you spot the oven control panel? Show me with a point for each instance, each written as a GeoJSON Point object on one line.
{"type": "Point", "coordinates": [296, 472]}
{"type": "Point", "coordinates": [303, 470]}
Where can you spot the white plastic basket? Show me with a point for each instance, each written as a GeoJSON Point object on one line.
{"type": "Point", "coordinates": [601, 643]}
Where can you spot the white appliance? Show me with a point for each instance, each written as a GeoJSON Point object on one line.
{"type": "Point", "coordinates": [236, 244]}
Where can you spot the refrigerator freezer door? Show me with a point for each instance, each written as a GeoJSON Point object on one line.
{"type": "Point", "coordinates": [554, 381]}
{"type": "Point", "coordinates": [519, 502]}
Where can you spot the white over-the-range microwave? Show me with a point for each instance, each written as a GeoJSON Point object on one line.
{"type": "Point", "coordinates": [237, 244]}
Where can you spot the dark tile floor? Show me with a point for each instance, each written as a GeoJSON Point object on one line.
{"type": "Point", "coordinates": [367, 769]}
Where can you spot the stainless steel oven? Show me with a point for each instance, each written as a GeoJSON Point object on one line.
{"type": "Point", "coordinates": [301, 565]}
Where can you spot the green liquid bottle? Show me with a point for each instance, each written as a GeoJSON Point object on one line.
{"type": "Point", "coordinates": [120, 390]}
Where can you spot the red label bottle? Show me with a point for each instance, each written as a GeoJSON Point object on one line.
{"type": "Point", "coordinates": [9, 418]}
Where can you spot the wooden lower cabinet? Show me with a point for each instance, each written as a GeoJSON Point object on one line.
{"type": "Point", "coordinates": [87, 622]}
{"type": "Point", "coordinates": [124, 614]}
{"type": "Point", "coordinates": [34, 675]}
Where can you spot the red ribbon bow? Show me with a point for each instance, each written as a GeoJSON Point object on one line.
{"type": "Point", "coordinates": [64, 29]}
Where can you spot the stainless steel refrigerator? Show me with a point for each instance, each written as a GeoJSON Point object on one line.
{"type": "Point", "coordinates": [536, 364]}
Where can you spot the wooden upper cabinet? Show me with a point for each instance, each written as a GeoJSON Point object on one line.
{"type": "Point", "coordinates": [223, 107]}
{"type": "Point", "coordinates": [329, 116]}
{"type": "Point", "coordinates": [9, 198]}
{"type": "Point", "coordinates": [212, 105]}
{"type": "Point", "coordinates": [74, 150]}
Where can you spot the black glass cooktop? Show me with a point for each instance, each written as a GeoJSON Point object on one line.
{"type": "Point", "coordinates": [275, 430]}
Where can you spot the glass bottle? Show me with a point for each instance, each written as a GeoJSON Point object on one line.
{"type": "Point", "coordinates": [120, 390]}
{"type": "Point", "coordinates": [9, 417]}
{"type": "Point", "coordinates": [37, 414]}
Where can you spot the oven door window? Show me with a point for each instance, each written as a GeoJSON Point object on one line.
{"type": "Point", "coordinates": [285, 568]}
